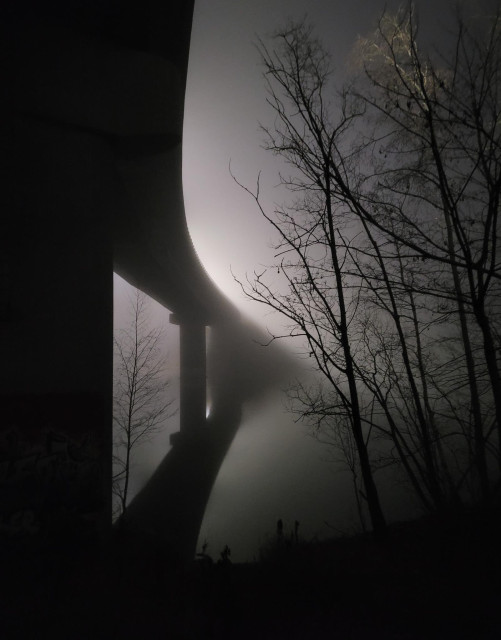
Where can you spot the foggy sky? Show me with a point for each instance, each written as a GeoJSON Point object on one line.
{"type": "Point", "coordinates": [225, 101]}
{"type": "Point", "coordinates": [273, 470]}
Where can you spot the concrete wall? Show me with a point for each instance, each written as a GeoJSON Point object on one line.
{"type": "Point", "coordinates": [56, 331]}
{"type": "Point", "coordinates": [87, 89]}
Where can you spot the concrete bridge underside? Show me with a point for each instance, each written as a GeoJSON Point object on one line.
{"type": "Point", "coordinates": [93, 141]}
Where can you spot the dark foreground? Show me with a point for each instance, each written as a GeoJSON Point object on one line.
{"type": "Point", "coordinates": [431, 580]}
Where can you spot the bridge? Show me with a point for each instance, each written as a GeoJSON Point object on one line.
{"type": "Point", "coordinates": [94, 96]}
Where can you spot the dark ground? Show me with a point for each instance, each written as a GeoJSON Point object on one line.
{"type": "Point", "coordinates": [432, 580]}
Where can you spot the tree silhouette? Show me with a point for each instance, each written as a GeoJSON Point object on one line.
{"type": "Point", "coordinates": [140, 392]}
{"type": "Point", "coordinates": [388, 255]}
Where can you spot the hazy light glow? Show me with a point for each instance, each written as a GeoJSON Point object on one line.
{"type": "Point", "coordinates": [273, 470]}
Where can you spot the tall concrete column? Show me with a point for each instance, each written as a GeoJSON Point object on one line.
{"type": "Point", "coordinates": [193, 374]}
{"type": "Point", "coordinates": [56, 335]}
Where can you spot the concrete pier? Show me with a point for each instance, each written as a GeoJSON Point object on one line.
{"type": "Point", "coordinates": [193, 375]}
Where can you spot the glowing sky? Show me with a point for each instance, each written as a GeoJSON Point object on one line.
{"type": "Point", "coordinates": [225, 100]}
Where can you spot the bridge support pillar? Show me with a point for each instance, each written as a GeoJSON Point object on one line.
{"type": "Point", "coordinates": [193, 394]}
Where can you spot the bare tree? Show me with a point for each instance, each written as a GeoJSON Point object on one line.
{"type": "Point", "coordinates": [140, 392]}
{"type": "Point", "coordinates": [388, 251]}
{"type": "Point", "coordinates": [436, 148]}
{"type": "Point", "coordinates": [311, 246]}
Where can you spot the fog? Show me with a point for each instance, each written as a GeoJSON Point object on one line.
{"type": "Point", "coordinates": [275, 467]}
{"type": "Point", "coordinates": [111, 170]}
